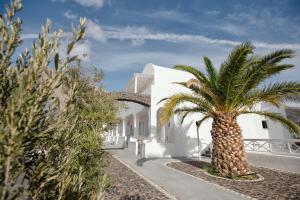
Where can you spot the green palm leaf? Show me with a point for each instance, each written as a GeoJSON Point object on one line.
{"type": "Point", "coordinates": [199, 122]}
{"type": "Point", "coordinates": [236, 86]}
{"type": "Point", "coordinates": [185, 111]}
{"type": "Point", "coordinates": [232, 90]}
{"type": "Point", "coordinates": [199, 75]}
{"type": "Point", "coordinates": [176, 100]}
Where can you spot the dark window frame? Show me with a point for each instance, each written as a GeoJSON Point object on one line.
{"type": "Point", "coordinates": [264, 124]}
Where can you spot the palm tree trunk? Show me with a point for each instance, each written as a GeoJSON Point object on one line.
{"type": "Point", "coordinates": [228, 153]}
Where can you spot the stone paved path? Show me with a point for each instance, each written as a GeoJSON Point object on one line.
{"type": "Point", "coordinates": [276, 184]}
{"type": "Point", "coordinates": [127, 185]}
{"type": "Point", "coordinates": [180, 185]}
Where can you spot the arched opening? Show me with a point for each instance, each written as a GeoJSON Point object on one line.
{"type": "Point", "coordinates": [133, 97]}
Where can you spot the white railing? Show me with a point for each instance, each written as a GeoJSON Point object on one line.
{"type": "Point", "coordinates": [280, 146]}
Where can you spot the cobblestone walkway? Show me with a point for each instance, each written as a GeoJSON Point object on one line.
{"type": "Point", "coordinates": [179, 185]}
{"type": "Point", "coordinates": [127, 185]}
{"type": "Point", "coordinates": [276, 185]}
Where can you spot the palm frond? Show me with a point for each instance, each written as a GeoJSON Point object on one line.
{"type": "Point", "coordinates": [234, 87]}
{"type": "Point", "coordinates": [211, 70]}
{"type": "Point", "coordinates": [236, 59]}
{"type": "Point", "coordinates": [175, 100]}
{"type": "Point", "coordinates": [199, 122]}
{"type": "Point", "coordinates": [185, 111]}
{"type": "Point", "coordinates": [254, 77]}
{"type": "Point", "coordinates": [199, 75]}
{"type": "Point", "coordinates": [162, 100]}
{"type": "Point", "coordinates": [262, 68]}
{"type": "Point", "coordinates": [293, 98]}
{"type": "Point", "coordinates": [277, 56]}
{"type": "Point", "coordinates": [193, 87]}
{"type": "Point", "coordinates": [232, 69]}
{"type": "Point", "coordinates": [184, 115]}
{"type": "Point", "coordinates": [193, 83]}
{"type": "Point", "coordinates": [201, 90]}
{"type": "Point", "coordinates": [254, 72]}
{"type": "Point", "coordinates": [259, 73]}
{"type": "Point", "coordinates": [275, 94]}
{"type": "Point", "coordinates": [291, 126]}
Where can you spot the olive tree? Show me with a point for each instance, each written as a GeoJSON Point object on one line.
{"type": "Point", "coordinates": [46, 151]}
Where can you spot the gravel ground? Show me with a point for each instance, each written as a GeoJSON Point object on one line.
{"type": "Point", "coordinates": [276, 185]}
{"type": "Point", "coordinates": [127, 185]}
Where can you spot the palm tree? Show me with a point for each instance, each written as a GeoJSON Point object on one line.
{"type": "Point", "coordinates": [232, 90]}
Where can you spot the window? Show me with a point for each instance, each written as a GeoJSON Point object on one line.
{"type": "Point", "coordinates": [264, 124]}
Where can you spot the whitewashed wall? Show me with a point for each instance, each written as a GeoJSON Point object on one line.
{"type": "Point", "coordinates": [185, 136]}
{"type": "Point", "coordinates": [184, 142]}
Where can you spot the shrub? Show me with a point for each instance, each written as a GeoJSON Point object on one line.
{"type": "Point", "coordinates": [49, 151]}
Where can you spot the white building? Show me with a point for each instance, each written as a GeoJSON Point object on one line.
{"type": "Point", "coordinates": [146, 136]}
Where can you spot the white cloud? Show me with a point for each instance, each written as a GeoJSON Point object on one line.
{"type": "Point", "coordinates": [83, 51]}
{"type": "Point", "coordinates": [142, 33]}
{"type": "Point", "coordinates": [137, 35]}
{"type": "Point", "coordinates": [114, 56]}
{"type": "Point", "coordinates": [86, 3]}
{"type": "Point", "coordinates": [94, 31]}
{"type": "Point", "coordinates": [29, 36]}
{"type": "Point", "coordinates": [91, 3]}
{"type": "Point", "coordinates": [69, 15]}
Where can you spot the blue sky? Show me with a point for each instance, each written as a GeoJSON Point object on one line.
{"type": "Point", "coordinates": [124, 35]}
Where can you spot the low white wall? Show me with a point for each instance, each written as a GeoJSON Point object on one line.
{"type": "Point", "coordinates": [154, 149]}
{"type": "Point", "coordinates": [132, 147]}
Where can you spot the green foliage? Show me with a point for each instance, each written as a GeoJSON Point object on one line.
{"type": "Point", "coordinates": [209, 169]}
{"type": "Point", "coordinates": [236, 87]}
{"type": "Point", "coordinates": [52, 119]}
{"type": "Point", "coordinates": [97, 107]}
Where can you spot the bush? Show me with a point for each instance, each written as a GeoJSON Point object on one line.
{"type": "Point", "coordinates": [50, 147]}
